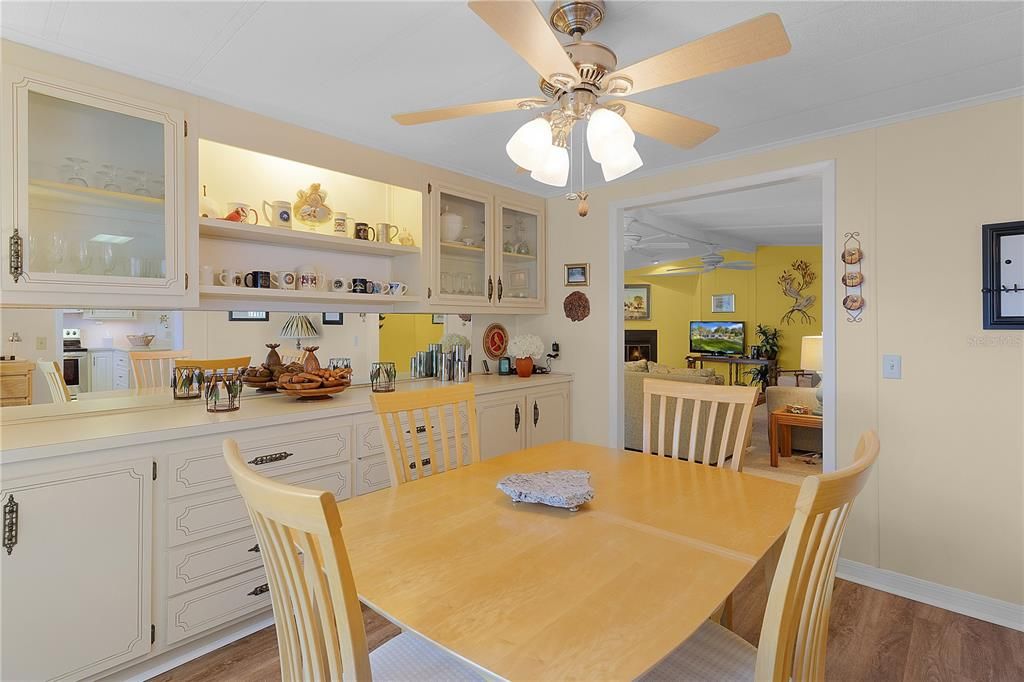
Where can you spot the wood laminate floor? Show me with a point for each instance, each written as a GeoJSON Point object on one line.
{"type": "Point", "coordinates": [873, 636]}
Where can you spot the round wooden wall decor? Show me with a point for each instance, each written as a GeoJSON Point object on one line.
{"type": "Point", "coordinates": [495, 341]}
{"type": "Point", "coordinates": [576, 306]}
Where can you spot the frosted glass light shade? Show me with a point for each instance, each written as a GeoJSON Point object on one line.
{"type": "Point", "coordinates": [625, 162]}
{"type": "Point", "coordinates": [528, 146]}
{"type": "Point", "coordinates": [608, 135]}
{"type": "Point", "coordinates": [555, 169]}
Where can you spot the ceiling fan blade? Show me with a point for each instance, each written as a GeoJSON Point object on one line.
{"type": "Point", "coordinates": [524, 28]}
{"type": "Point", "coordinates": [689, 268]}
{"type": "Point", "coordinates": [751, 41]}
{"type": "Point", "coordinates": [737, 266]}
{"type": "Point", "coordinates": [665, 126]}
{"type": "Point", "coordinates": [461, 110]}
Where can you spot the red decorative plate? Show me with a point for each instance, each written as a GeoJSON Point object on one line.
{"type": "Point", "coordinates": [495, 341]}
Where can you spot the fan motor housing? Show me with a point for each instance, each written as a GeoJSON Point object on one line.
{"type": "Point", "coordinates": [593, 60]}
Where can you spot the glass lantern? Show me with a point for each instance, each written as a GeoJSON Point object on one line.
{"type": "Point", "coordinates": [187, 383]}
{"type": "Point", "coordinates": [382, 377]}
{"type": "Point", "coordinates": [223, 391]}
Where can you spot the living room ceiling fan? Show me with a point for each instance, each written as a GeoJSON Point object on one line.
{"type": "Point", "coordinates": [710, 261]}
{"type": "Point", "coordinates": [575, 77]}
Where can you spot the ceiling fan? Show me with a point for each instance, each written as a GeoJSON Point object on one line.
{"type": "Point", "coordinates": [636, 242]}
{"type": "Point", "coordinates": [575, 77]}
{"type": "Point", "coordinates": [709, 262]}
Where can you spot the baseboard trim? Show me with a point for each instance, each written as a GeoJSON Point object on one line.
{"type": "Point", "coordinates": [970, 604]}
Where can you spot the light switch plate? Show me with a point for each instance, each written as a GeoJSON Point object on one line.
{"type": "Point", "coordinates": [40, 343]}
{"type": "Point", "coordinates": [892, 367]}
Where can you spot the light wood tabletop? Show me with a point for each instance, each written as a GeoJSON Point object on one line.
{"type": "Point", "coordinates": [529, 592]}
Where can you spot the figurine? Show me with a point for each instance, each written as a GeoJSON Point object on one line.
{"type": "Point", "coordinates": [311, 208]}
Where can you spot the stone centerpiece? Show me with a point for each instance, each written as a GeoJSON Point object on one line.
{"type": "Point", "coordinates": [566, 489]}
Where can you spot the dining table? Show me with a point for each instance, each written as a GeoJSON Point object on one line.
{"type": "Point", "coordinates": [531, 592]}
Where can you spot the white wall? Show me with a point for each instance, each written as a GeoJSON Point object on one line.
{"type": "Point", "coordinates": [32, 324]}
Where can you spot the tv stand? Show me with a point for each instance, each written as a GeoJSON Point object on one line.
{"type": "Point", "coordinates": [737, 365]}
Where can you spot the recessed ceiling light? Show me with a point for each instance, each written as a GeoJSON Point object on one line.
{"type": "Point", "coordinates": [655, 262]}
{"type": "Point", "coordinates": [111, 239]}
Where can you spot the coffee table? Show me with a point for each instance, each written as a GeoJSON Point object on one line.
{"type": "Point", "coordinates": [780, 431]}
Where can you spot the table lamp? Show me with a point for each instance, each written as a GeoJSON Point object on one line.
{"type": "Point", "coordinates": [811, 359]}
{"type": "Point", "coordinates": [299, 327]}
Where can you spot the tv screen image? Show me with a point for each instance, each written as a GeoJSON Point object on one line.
{"type": "Point", "coordinates": [724, 338]}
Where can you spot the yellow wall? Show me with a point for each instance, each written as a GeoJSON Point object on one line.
{"type": "Point", "coordinates": [675, 301]}
{"type": "Point", "coordinates": [402, 335]}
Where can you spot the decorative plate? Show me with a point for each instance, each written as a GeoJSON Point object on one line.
{"type": "Point", "coordinates": [311, 207]}
{"type": "Point", "coordinates": [565, 489]}
{"type": "Point", "coordinates": [854, 278]}
{"type": "Point", "coordinates": [576, 306]}
{"type": "Point", "coordinates": [495, 341]}
{"type": "Point", "coordinates": [312, 393]}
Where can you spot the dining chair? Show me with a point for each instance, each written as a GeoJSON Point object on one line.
{"type": "Point", "coordinates": [795, 626]}
{"type": "Point", "coordinates": [723, 413]}
{"type": "Point", "coordinates": [320, 632]}
{"type": "Point", "coordinates": [289, 356]}
{"type": "Point", "coordinates": [216, 364]}
{"type": "Point", "coordinates": [54, 380]}
{"type": "Point", "coordinates": [153, 368]}
{"type": "Point", "coordinates": [406, 461]}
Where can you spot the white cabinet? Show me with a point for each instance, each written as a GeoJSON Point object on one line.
{"type": "Point", "coordinates": [548, 412]}
{"type": "Point", "coordinates": [520, 261]}
{"type": "Point", "coordinates": [101, 371]}
{"type": "Point", "coordinates": [502, 424]}
{"type": "Point", "coordinates": [99, 220]}
{"type": "Point", "coordinates": [122, 370]}
{"type": "Point", "coordinates": [76, 584]}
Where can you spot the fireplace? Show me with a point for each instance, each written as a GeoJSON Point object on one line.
{"type": "Point", "coordinates": [641, 344]}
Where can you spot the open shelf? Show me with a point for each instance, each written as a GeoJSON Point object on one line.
{"type": "Point", "coordinates": [459, 249]}
{"type": "Point", "coordinates": [92, 195]}
{"type": "Point", "coordinates": [299, 295]}
{"type": "Point", "coordinates": [215, 228]}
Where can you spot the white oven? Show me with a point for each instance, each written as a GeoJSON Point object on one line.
{"type": "Point", "coordinates": [75, 362]}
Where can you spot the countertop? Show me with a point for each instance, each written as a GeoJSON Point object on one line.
{"type": "Point", "coordinates": [139, 416]}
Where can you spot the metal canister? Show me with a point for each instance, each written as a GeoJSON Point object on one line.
{"type": "Point", "coordinates": [461, 371]}
{"type": "Point", "coordinates": [446, 369]}
{"type": "Point", "coordinates": [423, 364]}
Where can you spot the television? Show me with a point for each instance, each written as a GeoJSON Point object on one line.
{"type": "Point", "coordinates": [717, 338]}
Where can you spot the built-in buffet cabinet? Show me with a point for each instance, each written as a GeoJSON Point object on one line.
{"type": "Point", "coordinates": [95, 196]}
{"type": "Point", "coordinates": [122, 556]}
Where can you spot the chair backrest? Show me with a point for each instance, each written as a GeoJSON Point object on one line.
{"type": "Point", "coordinates": [54, 380]}
{"type": "Point", "coordinates": [795, 626]}
{"type": "Point", "coordinates": [320, 632]}
{"type": "Point", "coordinates": [153, 368]}
{"type": "Point", "coordinates": [723, 413]}
{"type": "Point", "coordinates": [289, 356]}
{"type": "Point", "coordinates": [405, 457]}
{"type": "Point", "coordinates": [217, 364]}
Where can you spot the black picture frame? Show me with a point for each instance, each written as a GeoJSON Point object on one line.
{"type": "Point", "coordinates": [437, 318]}
{"type": "Point", "coordinates": [992, 286]}
{"type": "Point", "coordinates": [248, 316]}
{"type": "Point", "coordinates": [336, 319]}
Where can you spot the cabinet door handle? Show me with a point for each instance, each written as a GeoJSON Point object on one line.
{"type": "Point", "coordinates": [10, 524]}
{"type": "Point", "coordinates": [536, 413]}
{"type": "Point", "coordinates": [254, 548]}
{"type": "Point", "coordinates": [419, 429]}
{"type": "Point", "coordinates": [499, 290]}
{"type": "Point", "coordinates": [518, 419]}
{"type": "Point", "coordinates": [15, 261]}
{"type": "Point", "coordinates": [490, 288]}
{"type": "Point", "coordinates": [259, 589]}
{"type": "Point", "coordinates": [273, 457]}
{"type": "Point", "coordinates": [424, 462]}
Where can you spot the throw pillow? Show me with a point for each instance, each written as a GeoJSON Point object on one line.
{"type": "Point", "coordinates": [637, 366]}
{"type": "Point", "coordinates": [658, 368]}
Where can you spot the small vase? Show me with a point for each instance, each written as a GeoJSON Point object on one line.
{"type": "Point", "coordinates": [524, 366]}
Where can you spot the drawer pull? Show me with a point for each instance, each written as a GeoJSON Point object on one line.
{"type": "Point", "coordinates": [10, 524]}
{"type": "Point", "coordinates": [259, 589]}
{"type": "Point", "coordinates": [425, 462]}
{"type": "Point", "coordinates": [273, 457]}
{"type": "Point", "coordinates": [254, 548]}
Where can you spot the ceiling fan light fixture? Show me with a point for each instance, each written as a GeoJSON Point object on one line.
{"type": "Point", "coordinates": [529, 145]}
{"type": "Point", "coordinates": [623, 164]}
{"type": "Point", "coordinates": [608, 135]}
{"type": "Point", "coordinates": [555, 168]}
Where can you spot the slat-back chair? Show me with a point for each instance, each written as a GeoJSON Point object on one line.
{"type": "Point", "coordinates": [406, 462]}
{"type": "Point", "coordinates": [319, 622]}
{"type": "Point", "coordinates": [216, 364]}
{"type": "Point", "coordinates": [153, 368]}
{"type": "Point", "coordinates": [54, 380]}
{"type": "Point", "coordinates": [289, 356]}
{"type": "Point", "coordinates": [795, 626]}
{"type": "Point", "coordinates": [729, 418]}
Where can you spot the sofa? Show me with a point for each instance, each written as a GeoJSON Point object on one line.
{"type": "Point", "coordinates": [777, 397]}
{"type": "Point", "coordinates": [633, 402]}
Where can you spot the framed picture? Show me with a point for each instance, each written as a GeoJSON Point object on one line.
{"type": "Point", "coordinates": [518, 280]}
{"type": "Point", "coordinates": [637, 302]}
{"type": "Point", "coordinates": [332, 318]}
{"type": "Point", "coordinates": [248, 316]}
{"type": "Point", "coordinates": [723, 303]}
{"type": "Point", "coordinates": [1002, 248]}
{"type": "Point", "coordinates": [437, 319]}
{"type": "Point", "coordinates": [577, 274]}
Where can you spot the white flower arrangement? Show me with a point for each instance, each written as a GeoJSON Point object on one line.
{"type": "Point", "coordinates": [451, 340]}
{"type": "Point", "coordinates": [526, 345]}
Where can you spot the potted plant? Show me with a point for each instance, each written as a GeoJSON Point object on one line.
{"type": "Point", "coordinates": [524, 348]}
{"type": "Point", "coordinates": [760, 376]}
{"type": "Point", "coordinates": [769, 341]}
{"type": "Point", "coordinates": [451, 340]}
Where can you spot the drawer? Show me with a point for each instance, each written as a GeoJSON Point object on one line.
{"type": "Point", "coordinates": [270, 451]}
{"type": "Point", "coordinates": [372, 473]}
{"type": "Point", "coordinates": [370, 439]}
{"type": "Point", "coordinates": [196, 564]}
{"type": "Point", "coordinates": [121, 361]}
{"type": "Point", "coordinates": [199, 610]}
{"type": "Point", "coordinates": [202, 516]}
{"type": "Point", "coordinates": [14, 386]}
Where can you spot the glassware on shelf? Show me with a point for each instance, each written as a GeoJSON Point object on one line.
{"type": "Point", "coordinates": [522, 246]}
{"type": "Point", "coordinates": [109, 176]}
{"type": "Point", "coordinates": [77, 176]}
{"type": "Point", "coordinates": [81, 258]}
{"type": "Point", "coordinates": [446, 283]}
{"type": "Point", "coordinates": [156, 185]}
{"type": "Point", "coordinates": [58, 250]}
{"type": "Point", "coordinates": [140, 182]}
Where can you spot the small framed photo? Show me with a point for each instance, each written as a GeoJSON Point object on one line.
{"type": "Point", "coordinates": [248, 316]}
{"type": "Point", "coordinates": [577, 274]}
{"type": "Point", "coordinates": [437, 319]}
{"type": "Point", "coordinates": [518, 280]}
{"type": "Point", "coordinates": [723, 303]}
{"type": "Point", "coordinates": [637, 302]}
{"type": "Point", "coordinates": [332, 318]}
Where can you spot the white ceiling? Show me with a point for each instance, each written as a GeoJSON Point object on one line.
{"type": "Point", "coordinates": [787, 213]}
{"type": "Point", "coordinates": [345, 67]}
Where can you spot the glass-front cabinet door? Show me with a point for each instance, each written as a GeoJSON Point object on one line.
{"type": "Point", "coordinates": [463, 247]}
{"type": "Point", "coordinates": [520, 271]}
{"type": "Point", "coordinates": [94, 184]}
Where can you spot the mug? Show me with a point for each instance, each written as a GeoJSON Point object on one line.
{"type": "Point", "coordinates": [340, 284]}
{"type": "Point", "coordinates": [280, 213]}
{"type": "Point", "coordinates": [230, 278]}
{"type": "Point", "coordinates": [397, 288]}
{"type": "Point", "coordinates": [257, 279]}
{"type": "Point", "coordinates": [363, 231]}
{"type": "Point", "coordinates": [282, 279]}
{"type": "Point", "coordinates": [359, 285]}
{"type": "Point", "coordinates": [206, 275]}
{"type": "Point", "coordinates": [386, 233]}
{"type": "Point", "coordinates": [309, 279]}
{"type": "Point", "coordinates": [379, 287]}
{"type": "Point", "coordinates": [240, 213]}
{"type": "Point", "coordinates": [340, 223]}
